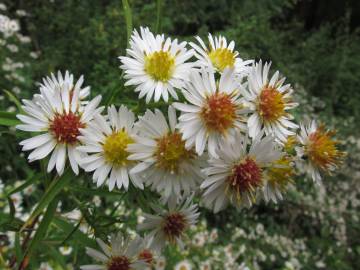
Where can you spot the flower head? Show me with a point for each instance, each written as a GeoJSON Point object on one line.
{"type": "Point", "coordinates": [170, 225]}
{"type": "Point", "coordinates": [237, 174]}
{"type": "Point", "coordinates": [319, 150]}
{"type": "Point", "coordinates": [58, 113]}
{"type": "Point", "coordinates": [166, 164]}
{"type": "Point", "coordinates": [269, 101]}
{"type": "Point", "coordinates": [105, 140]}
{"type": "Point", "coordinates": [120, 254]}
{"type": "Point", "coordinates": [219, 55]}
{"type": "Point", "coordinates": [279, 177]}
{"type": "Point", "coordinates": [155, 65]}
{"type": "Point", "coordinates": [215, 112]}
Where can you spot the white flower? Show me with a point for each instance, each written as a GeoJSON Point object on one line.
{"type": "Point", "coordinates": [237, 174]}
{"type": "Point", "coordinates": [183, 265]}
{"type": "Point", "coordinates": [319, 150]}
{"type": "Point", "coordinates": [65, 250]}
{"type": "Point", "coordinates": [105, 140]}
{"type": "Point", "coordinates": [279, 178]}
{"type": "Point", "coordinates": [122, 253]}
{"type": "Point", "coordinates": [45, 266]}
{"type": "Point", "coordinates": [215, 111]}
{"type": "Point", "coordinates": [220, 55]}
{"type": "Point", "coordinates": [165, 163]}
{"type": "Point", "coordinates": [170, 225]}
{"type": "Point", "coordinates": [50, 83]}
{"type": "Point", "coordinates": [155, 65]}
{"type": "Point", "coordinates": [269, 102]}
{"type": "Point", "coordinates": [160, 263]}
{"type": "Point", "coordinates": [57, 113]}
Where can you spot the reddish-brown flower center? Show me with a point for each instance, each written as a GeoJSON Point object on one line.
{"type": "Point", "coordinates": [118, 263]}
{"type": "Point", "coordinates": [65, 127]}
{"type": "Point", "coordinates": [219, 113]}
{"type": "Point", "coordinates": [174, 225]}
{"type": "Point", "coordinates": [271, 104]}
{"type": "Point", "coordinates": [147, 256]}
{"type": "Point", "coordinates": [246, 176]}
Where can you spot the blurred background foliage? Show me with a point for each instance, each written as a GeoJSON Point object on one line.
{"type": "Point", "coordinates": [315, 44]}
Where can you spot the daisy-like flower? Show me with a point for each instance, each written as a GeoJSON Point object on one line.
{"type": "Point", "coordinates": [105, 140]}
{"type": "Point", "coordinates": [279, 177]}
{"type": "Point", "coordinates": [57, 113]}
{"type": "Point", "coordinates": [183, 265]}
{"type": "Point", "coordinates": [50, 83]}
{"type": "Point", "coordinates": [170, 225]}
{"type": "Point", "coordinates": [220, 55]}
{"type": "Point", "coordinates": [215, 110]}
{"type": "Point", "coordinates": [319, 150]}
{"type": "Point", "coordinates": [121, 254]}
{"type": "Point", "coordinates": [238, 174]}
{"type": "Point", "coordinates": [147, 253]}
{"type": "Point", "coordinates": [269, 102]}
{"type": "Point", "coordinates": [155, 65]}
{"type": "Point", "coordinates": [165, 163]}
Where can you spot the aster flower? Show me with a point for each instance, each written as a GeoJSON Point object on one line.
{"type": "Point", "coordinates": [269, 102]}
{"type": "Point", "coordinates": [155, 65]}
{"type": "Point", "coordinates": [319, 150]}
{"type": "Point", "coordinates": [215, 110]}
{"type": "Point", "coordinates": [164, 162]}
{"type": "Point", "coordinates": [238, 174]}
{"type": "Point", "coordinates": [279, 177]}
{"type": "Point", "coordinates": [147, 252]}
{"type": "Point", "coordinates": [170, 225]}
{"type": "Point", "coordinates": [220, 55]}
{"type": "Point", "coordinates": [57, 113]}
{"type": "Point", "coordinates": [121, 254]}
{"type": "Point", "coordinates": [105, 140]}
{"type": "Point", "coordinates": [51, 83]}
{"type": "Point", "coordinates": [183, 265]}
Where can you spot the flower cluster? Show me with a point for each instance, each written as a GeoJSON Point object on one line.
{"type": "Point", "coordinates": [229, 135]}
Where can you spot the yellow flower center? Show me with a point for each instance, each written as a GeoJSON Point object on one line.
{"type": "Point", "coordinates": [115, 148]}
{"type": "Point", "coordinates": [322, 149]}
{"type": "Point", "coordinates": [171, 151]}
{"type": "Point", "coordinates": [289, 146]}
{"type": "Point", "coordinates": [160, 65]}
{"type": "Point", "coordinates": [280, 175]}
{"type": "Point", "coordinates": [222, 58]}
{"type": "Point", "coordinates": [271, 104]}
{"type": "Point", "coordinates": [219, 112]}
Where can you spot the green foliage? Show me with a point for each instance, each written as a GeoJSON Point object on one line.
{"type": "Point", "coordinates": [321, 60]}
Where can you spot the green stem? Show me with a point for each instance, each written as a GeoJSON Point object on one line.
{"type": "Point", "coordinates": [158, 15]}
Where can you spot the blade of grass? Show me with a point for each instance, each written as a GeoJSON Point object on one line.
{"type": "Point", "coordinates": [8, 119]}
{"type": "Point", "coordinates": [43, 227]}
{"type": "Point", "coordinates": [14, 99]}
{"type": "Point", "coordinates": [54, 188]}
{"type": "Point", "coordinates": [128, 19]}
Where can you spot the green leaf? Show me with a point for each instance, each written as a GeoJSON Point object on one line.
{"type": "Point", "coordinates": [43, 227]}
{"type": "Point", "coordinates": [8, 119]}
{"type": "Point", "coordinates": [54, 188]}
{"type": "Point", "coordinates": [13, 225]}
{"type": "Point", "coordinates": [128, 18]}
{"type": "Point", "coordinates": [68, 228]}
{"type": "Point", "coordinates": [9, 218]}
{"type": "Point", "coordinates": [29, 182]}
{"type": "Point", "coordinates": [93, 192]}
{"type": "Point", "coordinates": [18, 251]}
{"type": "Point", "coordinates": [14, 99]}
